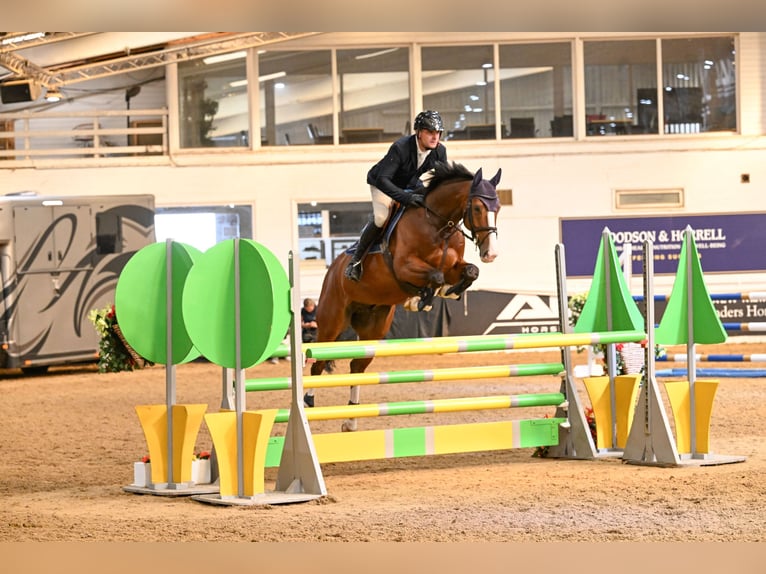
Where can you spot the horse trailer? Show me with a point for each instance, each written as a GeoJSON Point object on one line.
{"type": "Point", "coordinates": [61, 257]}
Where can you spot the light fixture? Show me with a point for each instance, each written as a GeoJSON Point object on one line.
{"type": "Point", "coordinates": [225, 57]}
{"type": "Point", "coordinates": [274, 76]}
{"type": "Point", "coordinates": [23, 38]}
{"type": "Point", "coordinates": [53, 95]}
{"type": "Point", "coordinates": [375, 54]}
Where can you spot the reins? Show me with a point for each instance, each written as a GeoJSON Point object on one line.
{"type": "Point", "coordinates": [451, 226]}
{"type": "Point", "coordinates": [445, 232]}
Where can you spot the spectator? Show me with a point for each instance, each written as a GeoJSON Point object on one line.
{"type": "Point", "coordinates": [309, 321]}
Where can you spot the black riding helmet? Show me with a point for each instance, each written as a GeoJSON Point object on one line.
{"type": "Point", "coordinates": [429, 120]}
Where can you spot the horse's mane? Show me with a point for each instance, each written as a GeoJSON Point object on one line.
{"type": "Point", "coordinates": [447, 171]}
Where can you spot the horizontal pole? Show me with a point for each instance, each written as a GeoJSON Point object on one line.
{"type": "Point", "coordinates": [466, 344]}
{"type": "Point", "coordinates": [738, 373]}
{"type": "Point", "coordinates": [682, 358]}
{"type": "Point", "coordinates": [751, 296]}
{"type": "Point", "coordinates": [424, 441]}
{"type": "Point", "coordinates": [427, 407]}
{"type": "Point", "coordinates": [745, 326]}
{"type": "Point", "coordinates": [411, 376]}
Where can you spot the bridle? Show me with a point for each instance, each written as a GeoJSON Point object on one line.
{"type": "Point", "coordinates": [488, 197]}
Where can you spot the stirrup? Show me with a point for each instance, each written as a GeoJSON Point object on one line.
{"type": "Point", "coordinates": [354, 271]}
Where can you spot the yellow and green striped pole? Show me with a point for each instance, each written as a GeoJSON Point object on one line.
{"type": "Point", "coordinates": [453, 405]}
{"type": "Point", "coordinates": [468, 344]}
{"type": "Point", "coordinates": [430, 440]}
{"type": "Point", "coordinates": [409, 376]}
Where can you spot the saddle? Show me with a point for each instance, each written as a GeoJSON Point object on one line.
{"type": "Point", "coordinates": [395, 215]}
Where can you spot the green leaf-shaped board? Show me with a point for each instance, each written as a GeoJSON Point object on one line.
{"type": "Point", "coordinates": [626, 316]}
{"type": "Point", "coordinates": [209, 309]}
{"type": "Point", "coordinates": [141, 302]}
{"type": "Point", "coordinates": [706, 325]}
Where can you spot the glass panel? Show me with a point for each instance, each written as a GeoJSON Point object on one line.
{"type": "Point", "coordinates": [295, 97]}
{"type": "Point", "coordinates": [458, 82]}
{"type": "Point", "coordinates": [620, 87]}
{"type": "Point", "coordinates": [374, 94]}
{"type": "Point", "coordinates": [213, 106]}
{"type": "Point", "coordinates": [203, 226]}
{"type": "Point", "coordinates": [326, 229]}
{"type": "Point", "coordinates": [108, 233]}
{"type": "Point", "coordinates": [536, 90]}
{"type": "Point", "coordinates": [699, 85]}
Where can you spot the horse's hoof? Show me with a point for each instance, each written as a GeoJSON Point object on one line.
{"type": "Point", "coordinates": [308, 400]}
{"type": "Point", "coordinates": [348, 426]}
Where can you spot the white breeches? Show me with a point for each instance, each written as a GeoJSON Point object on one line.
{"type": "Point", "coordinates": [380, 206]}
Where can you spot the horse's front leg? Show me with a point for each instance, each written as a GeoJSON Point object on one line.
{"type": "Point", "coordinates": [468, 275]}
{"type": "Point", "coordinates": [423, 301]}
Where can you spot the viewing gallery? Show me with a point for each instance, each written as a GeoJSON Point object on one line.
{"type": "Point", "coordinates": [317, 95]}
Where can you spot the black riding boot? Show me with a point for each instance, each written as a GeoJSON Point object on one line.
{"type": "Point", "coordinates": [369, 234]}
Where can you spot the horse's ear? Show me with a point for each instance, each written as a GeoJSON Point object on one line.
{"type": "Point", "coordinates": [477, 178]}
{"type": "Point", "coordinates": [495, 180]}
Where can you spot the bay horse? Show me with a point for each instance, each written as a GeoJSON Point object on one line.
{"type": "Point", "coordinates": [420, 258]}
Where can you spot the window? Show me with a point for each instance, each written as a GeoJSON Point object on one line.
{"type": "Point", "coordinates": [459, 83]}
{"type": "Point", "coordinates": [374, 94]}
{"type": "Point", "coordinates": [699, 87]}
{"type": "Point", "coordinates": [108, 233]}
{"type": "Point", "coordinates": [620, 87]}
{"type": "Point", "coordinates": [295, 97]}
{"type": "Point", "coordinates": [326, 229]}
{"type": "Point", "coordinates": [536, 90]}
{"type": "Point", "coordinates": [205, 225]}
{"type": "Point", "coordinates": [213, 106]}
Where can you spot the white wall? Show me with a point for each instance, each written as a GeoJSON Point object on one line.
{"type": "Point", "coordinates": [549, 181]}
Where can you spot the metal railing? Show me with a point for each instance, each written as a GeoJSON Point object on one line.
{"type": "Point", "coordinates": [30, 136]}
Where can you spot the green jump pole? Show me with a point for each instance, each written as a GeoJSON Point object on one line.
{"type": "Point", "coordinates": [427, 407]}
{"type": "Point", "coordinates": [411, 376]}
{"type": "Point", "coordinates": [524, 341]}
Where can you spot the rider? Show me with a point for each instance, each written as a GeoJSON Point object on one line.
{"type": "Point", "coordinates": [397, 177]}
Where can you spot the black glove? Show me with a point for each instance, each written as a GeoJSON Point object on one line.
{"type": "Point", "coordinates": [417, 199]}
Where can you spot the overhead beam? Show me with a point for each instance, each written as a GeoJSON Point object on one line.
{"type": "Point", "coordinates": [174, 53]}
{"type": "Point", "coordinates": [12, 41]}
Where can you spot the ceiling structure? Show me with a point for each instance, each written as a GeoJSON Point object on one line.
{"type": "Point", "coordinates": [56, 59]}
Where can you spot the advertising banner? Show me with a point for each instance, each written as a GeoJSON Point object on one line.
{"type": "Point", "coordinates": [725, 243]}
{"type": "Point", "coordinates": [504, 313]}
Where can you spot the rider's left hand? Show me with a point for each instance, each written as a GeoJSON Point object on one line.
{"type": "Point", "coordinates": [417, 199]}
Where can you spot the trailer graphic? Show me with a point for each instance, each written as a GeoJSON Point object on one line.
{"type": "Point", "coordinates": [60, 257]}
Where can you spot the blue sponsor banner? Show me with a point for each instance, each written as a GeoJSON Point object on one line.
{"type": "Point", "coordinates": [726, 243]}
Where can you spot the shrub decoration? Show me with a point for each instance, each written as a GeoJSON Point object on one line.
{"type": "Point", "coordinates": [115, 354]}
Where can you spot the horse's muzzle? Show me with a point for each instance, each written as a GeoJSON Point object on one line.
{"type": "Point", "coordinates": [488, 251]}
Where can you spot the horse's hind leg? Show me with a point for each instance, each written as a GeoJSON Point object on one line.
{"type": "Point", "coordinates": [371, 324]}
{"type": "Point", "coordinates": [332, 320]}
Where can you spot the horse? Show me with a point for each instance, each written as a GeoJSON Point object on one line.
{"type": "Point", "coordinates": [420, 257]}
